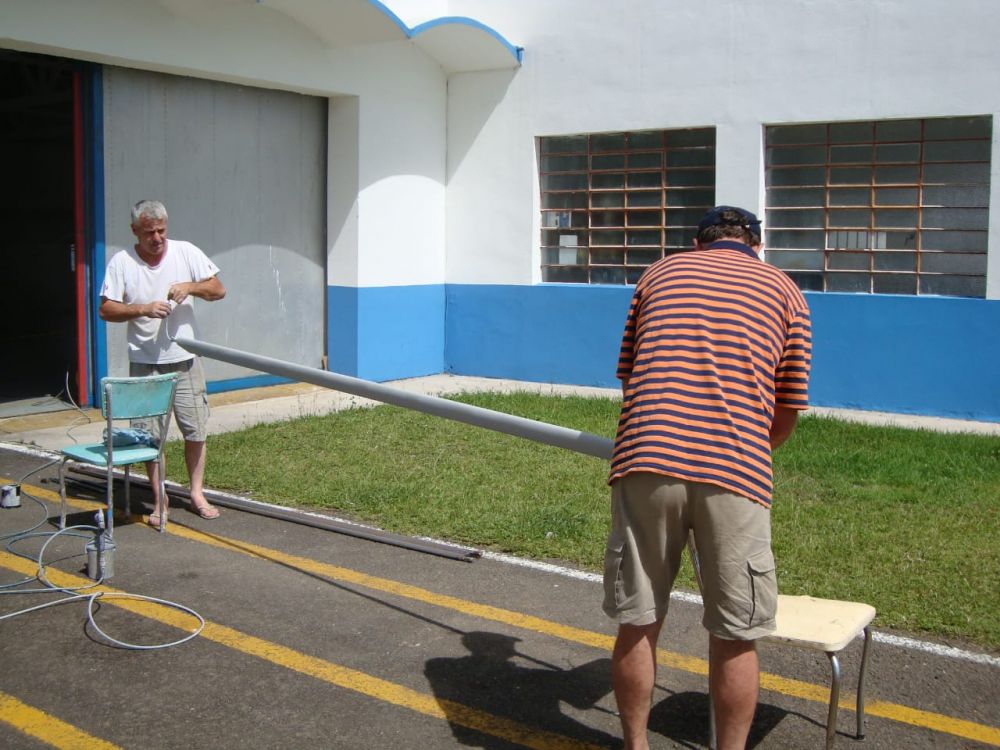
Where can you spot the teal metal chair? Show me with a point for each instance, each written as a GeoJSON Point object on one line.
{"type": "Point", "coordinates": [140, 398]}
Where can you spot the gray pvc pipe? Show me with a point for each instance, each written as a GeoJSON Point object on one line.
{"type": "Point", "coordinates": [541, 432]}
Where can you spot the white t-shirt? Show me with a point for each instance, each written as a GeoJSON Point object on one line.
{"type": "Point", "coordinates": [131, 280]}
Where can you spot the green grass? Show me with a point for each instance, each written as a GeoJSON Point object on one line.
{"type": "Point", "coordinates": [901, 519]}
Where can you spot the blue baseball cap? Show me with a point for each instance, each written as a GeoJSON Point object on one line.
{"type": "Point", "coordinates": [715, 218]}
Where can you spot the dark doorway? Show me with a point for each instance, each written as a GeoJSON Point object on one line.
{"type": "Point", "coordinates": [39, 319]}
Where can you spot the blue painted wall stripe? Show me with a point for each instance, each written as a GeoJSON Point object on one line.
{"type": "Point", "coordinates": [342, 329]}
{"type": "Point", "coordinates": [386, 333]}
{"type": "Point", "coordinates": [253, 381]}
{"type": "Point", "coordinates": [559, 333]}
{"type": "Point", "coordinates": [937, 356]}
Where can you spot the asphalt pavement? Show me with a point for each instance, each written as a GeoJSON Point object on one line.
{"type": "Point", "coordinates": [316, 639]}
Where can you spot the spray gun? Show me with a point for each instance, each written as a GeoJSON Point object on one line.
{"type": "Point", "coordinates": [100, 551]}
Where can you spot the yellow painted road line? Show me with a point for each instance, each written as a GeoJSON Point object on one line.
{"type": "Point", "coordinates": [47, 728]}
{"type": "Point", "coordinates": [774, 683]}
{"type": "Point", "coordinates": [334, 674]}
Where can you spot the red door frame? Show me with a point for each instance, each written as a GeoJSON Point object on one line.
{"type": "Point", "coordinates": [79, 254]}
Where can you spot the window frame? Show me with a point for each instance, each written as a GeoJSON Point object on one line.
{"type": "Point", "coordinates": [879, 180]}
{"type": "Point", "coordinates": [613, 203]}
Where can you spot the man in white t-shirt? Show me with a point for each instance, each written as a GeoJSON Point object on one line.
{"type": "Point", "coordinates": [152, 288]}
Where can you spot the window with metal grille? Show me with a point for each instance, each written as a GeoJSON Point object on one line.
{"type": "Point", "coordinates": [889, 206]}
{"type": "Point", "coordinates": [612, 203]}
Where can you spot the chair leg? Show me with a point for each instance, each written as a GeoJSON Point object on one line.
{"type": "Point", "coordinates": [109, 522]}
{"type": "Point", "coordinates": [861, 684]}
{"type": "Point", "coordinates": [831, 719]}
{"type": "Point", "coordinates": [128, 494]}
{"type": "Point", "coordinates": [164, 500]}
{"type": "Point", "coordinates": [62, 493]}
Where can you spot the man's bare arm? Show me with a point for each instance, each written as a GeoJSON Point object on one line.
{"type": "Point", "coordinates": [783, 425]}
{"type": "Point", "coordinates": [119, 312]}
{"type": "Point", "coordinates": [210, 290]}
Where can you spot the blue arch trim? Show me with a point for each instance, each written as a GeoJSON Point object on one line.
{"type": "Point", "coordinates": [515, 52]}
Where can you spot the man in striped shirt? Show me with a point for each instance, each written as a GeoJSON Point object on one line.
{"type": "Point", "coordinates": [714, 366]}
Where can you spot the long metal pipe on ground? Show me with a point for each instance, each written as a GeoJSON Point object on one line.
{"type": "Point", "coordinates": [541, 432]}
{"type": "Point", "coordinates": [452, 552]}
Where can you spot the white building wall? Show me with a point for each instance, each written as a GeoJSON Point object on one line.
{"type": "Point", "coordinates": [593, 66]}
{"type": "Point", "coordinates": [401, 150]}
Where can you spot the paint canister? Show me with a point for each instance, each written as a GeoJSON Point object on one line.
{"type": "Point", "coordinates": [100, 557]}
{"type": "Point", "coordinates": [10, 496]}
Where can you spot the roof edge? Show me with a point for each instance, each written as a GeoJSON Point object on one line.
{"type": "Point", "coordinates": [515, 51]}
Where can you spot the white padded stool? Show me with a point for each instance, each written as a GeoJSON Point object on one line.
{"type": "Point", "coordinates": [826, 625]}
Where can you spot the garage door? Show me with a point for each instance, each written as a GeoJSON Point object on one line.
{"type": "Point", "coordinates": [242, 172]}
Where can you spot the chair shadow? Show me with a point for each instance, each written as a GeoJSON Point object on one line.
{"type": "Point", "coordinates": [86, 517]}
{"type": "Point", "coordinates": [140, 501]}
{"type": "Point", "coordinates": [491, 679]}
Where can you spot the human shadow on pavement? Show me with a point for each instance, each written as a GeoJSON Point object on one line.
{"type": "Point", "coordinates": [683, 718]}
{"type": "Point", "coordinates": [490, 680]}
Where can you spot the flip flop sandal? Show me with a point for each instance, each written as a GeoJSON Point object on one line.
{"type": "Point", "coordinates": [207, 512]}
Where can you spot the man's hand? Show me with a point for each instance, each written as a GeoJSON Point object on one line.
{"type": "Point", "coordinates": [210, 289]}
{"type": "Point", "coordinates": [179, 292]}
{"type": "Point", "coordinates": [158, 309]}
{"type": "Point", "coordinates": [118, 312]}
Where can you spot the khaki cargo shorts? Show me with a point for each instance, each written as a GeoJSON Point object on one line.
{"type": "Point", "coordinates": [651, 517]}
{"type": "Point", "coordinates": [190, 399]}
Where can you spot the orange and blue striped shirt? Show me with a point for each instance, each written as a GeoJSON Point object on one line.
{"type": "Point", "coordinates": [714, 339]}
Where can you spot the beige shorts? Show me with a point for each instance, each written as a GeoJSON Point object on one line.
{"type": "Point", "coordinates": [651, 517]}
{"type": "Point", "coordinates": [190, 399]}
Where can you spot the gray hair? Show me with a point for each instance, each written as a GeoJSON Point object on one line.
{"type": "Point", "coordinates": [148, 209]}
